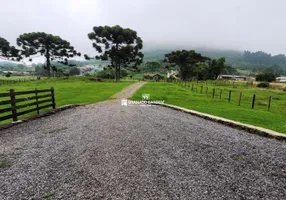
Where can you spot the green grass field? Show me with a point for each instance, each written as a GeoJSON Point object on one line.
{"type": "Point", "coordinates": [70, 91]}
{"type": "Point", "coordinates": [179, 95]}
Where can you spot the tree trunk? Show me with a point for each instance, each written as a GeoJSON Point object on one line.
{"type": "Point", "coordinates": [119, 71]}
{"type": "Point", "coordinates": [48, 62]}
{"type": "Point", "coordinates": [116, 73]}
{"type": "Point", "coordinates": [117, 65]}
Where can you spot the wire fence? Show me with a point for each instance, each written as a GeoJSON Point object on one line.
{"type": "Point", "coordinates": [238, 94]}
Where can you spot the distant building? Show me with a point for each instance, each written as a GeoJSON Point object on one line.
{"type": "Point", "coordinates": [153, 77]}
{"type": "Point", "coordinates": [281, 79]}
{"type": "Point", "coordinates": [233, 77]}
{"type": "Point", "coordinates": [173, 74]}
{"type": "Point", "coordinates": [84, 70]}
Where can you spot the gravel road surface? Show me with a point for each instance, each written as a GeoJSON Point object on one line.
{"type": "Point", "coordinates": [107, 151]}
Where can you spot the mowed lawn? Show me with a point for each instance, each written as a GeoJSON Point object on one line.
{"type": "Point", "coordinates": [260, 116]}
{"type": "Point", "coordinates": [78, 90]}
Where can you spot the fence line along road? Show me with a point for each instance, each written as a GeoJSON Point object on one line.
{"type": "Point", "coordinates": [35, 100]}
{"type": "Point", "coordinates": [194, 88]}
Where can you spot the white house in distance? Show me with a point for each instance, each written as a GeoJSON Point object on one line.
{"type": "Point", "coordinates": [173, 74]}
{"type": "Point", "coordinates": [281, 79]}
{"type": "Point", "coordinates": [233, 77]}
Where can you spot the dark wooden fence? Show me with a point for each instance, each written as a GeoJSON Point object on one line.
{"type": "Point", "coordinates": [36, 100]}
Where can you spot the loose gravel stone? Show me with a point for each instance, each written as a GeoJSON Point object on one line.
{"type": "Point", "coordinates": [107, 151]}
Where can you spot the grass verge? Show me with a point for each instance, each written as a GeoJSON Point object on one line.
{"type": "Point", "coordinates": [78, 90]}
{"type": "Point", "coordinates": [205, 102]}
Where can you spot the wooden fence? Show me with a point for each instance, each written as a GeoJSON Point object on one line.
{"type": "Point", "coordinates": [38, 97]}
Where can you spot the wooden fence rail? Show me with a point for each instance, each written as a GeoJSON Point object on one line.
{"type": "Point", "coordinates": [46, 96]}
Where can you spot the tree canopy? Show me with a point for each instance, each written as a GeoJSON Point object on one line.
{"type": "Point", "coordinates": [266, 76]}
{"type": "Point", "coordinates": [7, 51]}
{"type": "Point", "coordinates": [263, 58]}
{"type": "Point", "coordinates": [48, 45]}
{"type": "Point", "coordinates": [121, 46]}
{"type": "Point", "coordinates": [187, 62]}
{"type": "Point", "coordinates": [74, 71]}
{"type": "Point", "coordinates": [216, 67]}
{"type": "Point", "coordinates": [152, 66]}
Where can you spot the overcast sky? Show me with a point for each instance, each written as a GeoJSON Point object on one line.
{"type": "Point", "coordinates": [227, 24]}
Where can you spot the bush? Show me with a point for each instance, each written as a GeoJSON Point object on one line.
{"type": "Point", "coordinates": [8, 74]}
{"type": "Point", "coordinates": [110, 73]}
{"type": "Point", "coordinates": [263, 85]}
{"type": "Point", "coordinates": [74, 71]}
{"type": "Point", "coordinates": [266, 76]}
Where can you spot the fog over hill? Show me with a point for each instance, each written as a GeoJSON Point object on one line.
{"type": "Point", "coordinates": [239, 24]}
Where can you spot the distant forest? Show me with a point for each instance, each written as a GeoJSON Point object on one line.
{"type": "Point", "coordinates": [250, 61]}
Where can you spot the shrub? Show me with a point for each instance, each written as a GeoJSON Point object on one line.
{"type": "Point", "coordinates": [8, 74]}
{"type": "Point", "coordinates": [266, 76]}
{"type": "Point", "coordinates": [74, 71]}
{"type": "Point", "coordinates": [263, 85]}
{"type": "Point", "coordinates": [110, 73]}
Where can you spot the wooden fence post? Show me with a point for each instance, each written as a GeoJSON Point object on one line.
{"type": "Point", "coordinates": [53, 97]}
{"type": "Point", "coordinates": [220, 94]}
{"type": "Point", "coordinates": [240, 96]}
{"type": "Point", "coordinates": [13, 105]}
{"type": "Point", "coordinates": [229, 96]}
{"type": "Point", "coordinates": [37, 102]}
{"type": "Point", "coordinates": [202, 89]}
{"type": "Point", "coordinates": [192, 87]}
{"type": "Point", "coordinates": [213, 92]}
{"type": "Point", "coordinates": [253, 101]}
{"type": "Point", "coordinates": [269, 102]}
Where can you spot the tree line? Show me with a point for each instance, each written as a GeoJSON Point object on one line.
{"type": "Point", "coordinates": [262, 58]}
{"type": "Point", "coordinates": [120, 46]}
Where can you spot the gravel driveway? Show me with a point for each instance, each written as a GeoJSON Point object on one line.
{"type": "Point", "coordinates": [106, 151]}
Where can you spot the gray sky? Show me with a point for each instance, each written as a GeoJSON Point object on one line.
{"type": "Point", "coordinates": [228, 24]}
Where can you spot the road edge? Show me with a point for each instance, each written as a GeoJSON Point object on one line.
{"type": "Point", "coordinates": [70, 106]}
{"type": "Point", "coordinates": [234, 124]}
{"type": "Point", "coordinates": [44, 114]}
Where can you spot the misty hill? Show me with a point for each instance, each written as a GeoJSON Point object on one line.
{"type": "Point", "coordinates": [9, 66]}
{"type": "Point", "coordinates": [212, 53]}
{"type": "Point", "coordinates": [254, 61]}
